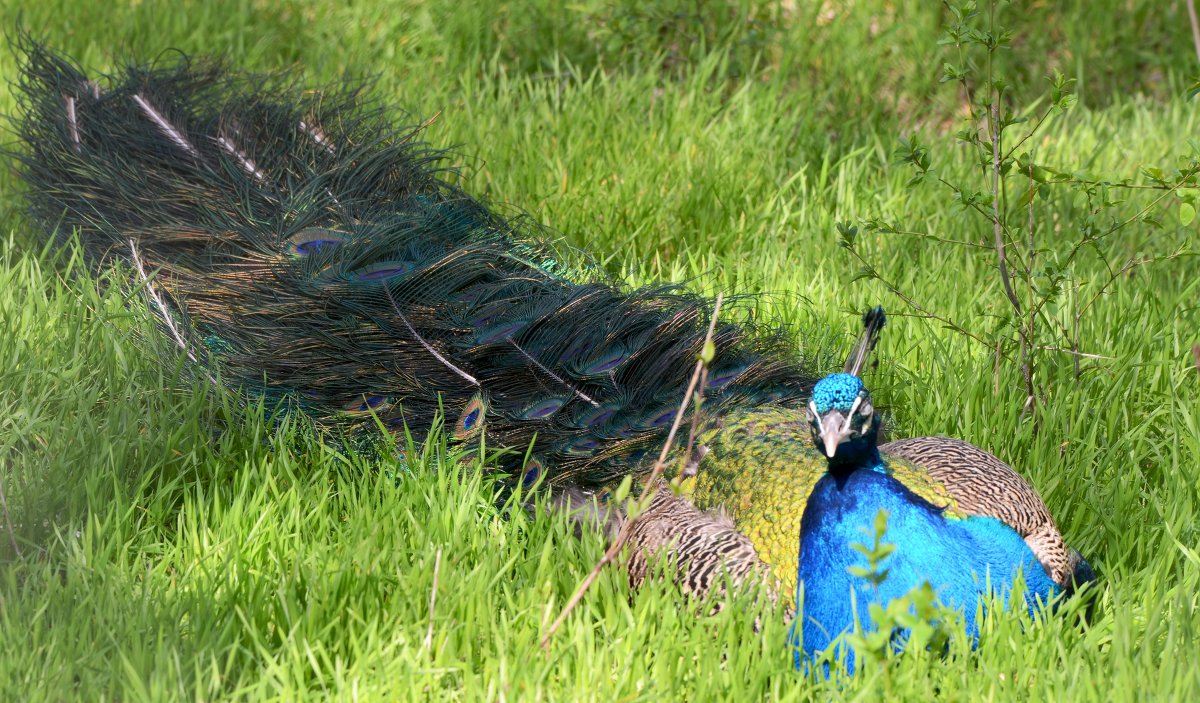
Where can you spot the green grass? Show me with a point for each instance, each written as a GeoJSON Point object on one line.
{"type": "Point", "coordinates": [174, 545]}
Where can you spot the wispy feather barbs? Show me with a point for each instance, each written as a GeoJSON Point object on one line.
{"type": "Point", "coordinates": [238, 155]}
{"type": "Point", "coordinates": [317, 253]}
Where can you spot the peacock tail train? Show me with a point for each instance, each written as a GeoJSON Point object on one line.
{"type": "Point", "coordinates": [297, 245]}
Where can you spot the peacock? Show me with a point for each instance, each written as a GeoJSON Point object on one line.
{"type": "Point", "coordinates": [959, 518]}
{"type": "Point", "coordinates": [298, 247]}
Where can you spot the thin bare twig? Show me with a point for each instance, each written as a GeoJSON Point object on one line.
{"type": "Point", "coordinates": [437, 565]}
{"type": "Point", "coordinates": [1130, 265]}
{"type": "Point", "coordinates": [1116, 185]}
{"type": "Point", "coordinates": [1041, 121]}
{"type": "Point", "coordinates": [987, 214]}
{"type": "Point", "coordinates": [651, 483]}
{"type": "Point", "coordinates": [1024, 327]}
{"type": "Point", "coordinates": [925, 313]}
{"type": "Point", "coordinates": [1079, 245]}
{"type": "Point", "coordinates": [689, 463]}
{"type": "Point", "coordinates": [1191, 8]}
{"type": "Point", "coordinates": [934, 237]}
{"type": "Point", "coordinates": [996, 368]}
{"type": "Point", "coordinates": [1076, 353]}
{"type": "Point", "coordinates": [997, 226]}
{"type": "Point", "coordinates": [1030, 255]}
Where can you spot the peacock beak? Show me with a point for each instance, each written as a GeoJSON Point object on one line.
{"type": "Point", "coordinates": [830, 440]}
{"type": "Point", "coordinates": [834, 428]}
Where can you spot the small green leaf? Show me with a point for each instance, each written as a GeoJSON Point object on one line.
{"type": "Point", "coordinates": [864, 272]}
{"type": "Point", "coordinates": [1154, 173]}
{"type": "Point", "coordinates": [709, 352]}
{"type": "Point", "coordinates": [623, 489]}
{"type": "Point", "coordinates": [1187, 213]}
{"type": "Point", "coordinates": [881, 518]}
{"type": "Point", "coordinates": [633, 508]}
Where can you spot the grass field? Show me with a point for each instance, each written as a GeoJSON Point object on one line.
{"type": "Point", "coordinates": [716, 144]}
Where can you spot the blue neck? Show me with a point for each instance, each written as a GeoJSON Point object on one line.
{"type": "Point", "coordinates": [865, 458]}
{"type": "Point", "coordinates": [860, 453]}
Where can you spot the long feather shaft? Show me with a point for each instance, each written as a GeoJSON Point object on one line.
{"type": "Point", "coordinates": [165, 126]}
{"type": "Point", "coordinates": [583, 396]}
{"type": "Point", "coordinates": [428, 347]}
{"type": "Point", "coordinates": [318, 136]}
{"type": "Point", "coordinates": [239, 156]}
{"type": "Point", "coordinates": [72, 123]}
{"type": "Point", "coordinates": [163, 311]}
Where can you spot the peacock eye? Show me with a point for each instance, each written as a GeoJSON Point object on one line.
{"type": "Point", "coordinates": [865, 409]}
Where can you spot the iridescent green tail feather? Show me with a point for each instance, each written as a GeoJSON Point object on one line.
{"type": "Point", "coordinates": [315, 253]}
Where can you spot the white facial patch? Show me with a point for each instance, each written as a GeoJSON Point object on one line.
{"type": "Point", "coordinates": [853, 409]}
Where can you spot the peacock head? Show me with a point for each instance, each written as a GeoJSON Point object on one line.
{"type": "Point", "coordinates": [842, 418]}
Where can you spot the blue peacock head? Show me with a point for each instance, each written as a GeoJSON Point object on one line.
{"type": "Point", "coordinates": [842, 418]}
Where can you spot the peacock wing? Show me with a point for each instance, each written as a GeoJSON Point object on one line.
{"type": "Point", "coordinates": [956, 474]}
